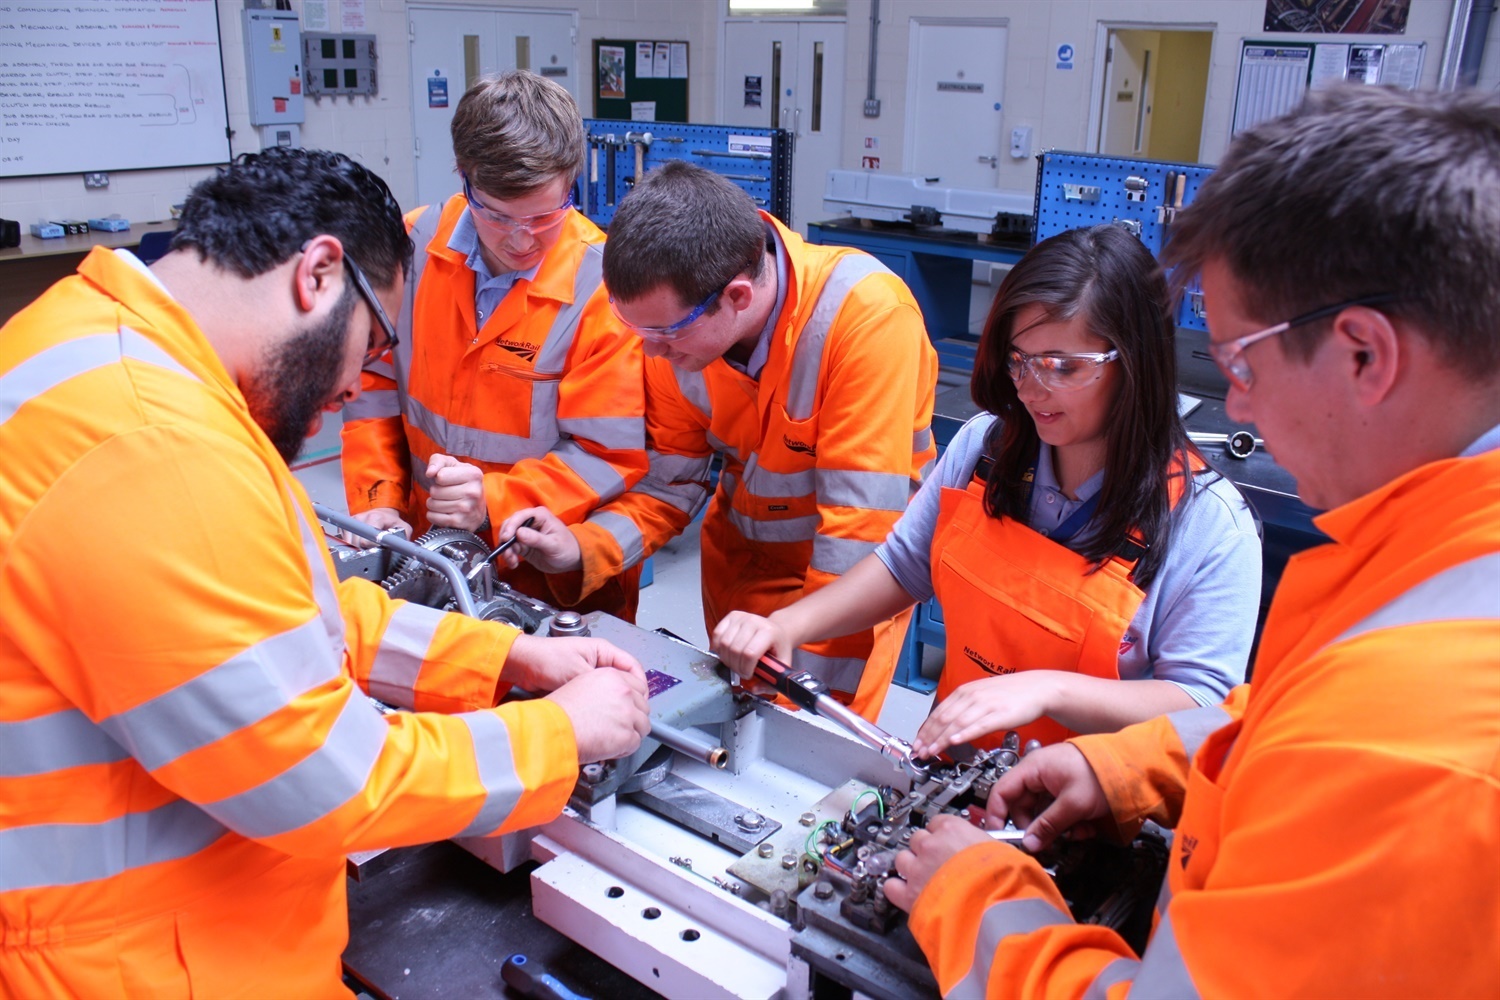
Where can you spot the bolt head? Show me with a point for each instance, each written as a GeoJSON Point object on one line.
{"type": "Point", "coordinates": [789, 861]}
{"type": "Point", "coordinates": [807, 819]}
{"type": "Point", "coordinates": [765, 850]}
{"type": "Point", "coordinates": [823, 890]}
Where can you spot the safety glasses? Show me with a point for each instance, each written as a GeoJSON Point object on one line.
{"type": "Point", "coordinates": [508, 226]}
{"type": "Point", "coordinates": [1230, 355]}
{"type": "Point", "coordinates": [673, 332]}
{"type": "Point", "coordinates": [381, 343]}
{"type": "Point", "coordinates": [1058, 372]}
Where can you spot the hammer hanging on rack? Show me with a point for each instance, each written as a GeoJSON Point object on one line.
{"type": "Point", "coordinates": [642, 142]}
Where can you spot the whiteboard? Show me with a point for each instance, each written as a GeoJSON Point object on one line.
{"type": "Point", "coordinates": [110, 85]}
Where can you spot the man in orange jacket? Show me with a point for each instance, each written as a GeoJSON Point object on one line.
{"type": "Point", "coordinates": [1335, 819]}
{"type": "Point", "coordinates": [806, 368]}
{"type": "Point", "coordinates": [512, 385]}
{"type": "Point", "coordinates": [185, 752]}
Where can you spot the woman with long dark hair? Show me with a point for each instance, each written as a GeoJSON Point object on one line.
{"type": "Point", "coordinates": [1072, 534]}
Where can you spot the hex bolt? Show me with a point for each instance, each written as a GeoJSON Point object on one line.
{"type": "Point", "coordinates": [823, 889]}
{"type": "Point", "coordinates": [789, 861]}
{"type": "Point", "coordinates": [593, 773]}
{"type": "Point", "coordinates": [807, 819]}
{"type": "Point", "coordinates": [749, 821]}
{"type": "Point", "coordinates": [765, 850]}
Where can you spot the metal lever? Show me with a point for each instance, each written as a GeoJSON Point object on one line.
{"type": "Point", "coordinates": [808, 691]}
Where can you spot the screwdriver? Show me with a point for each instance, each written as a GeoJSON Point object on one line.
{"type": "Point", "coordinates": [530, 522]}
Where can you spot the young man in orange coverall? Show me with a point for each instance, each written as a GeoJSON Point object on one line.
{"type": "Point", "coordinates": [1335, 820]}
{"type": "Point", "coordinates": [807, 368]}
{"type": "Point", "coordinates": [186, 754]}
{"type": "Point", "coordinates": [513, 386]}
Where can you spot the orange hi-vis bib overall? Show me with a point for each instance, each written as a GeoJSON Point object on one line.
{"type": "Point", "coordinates": [1014, 599]}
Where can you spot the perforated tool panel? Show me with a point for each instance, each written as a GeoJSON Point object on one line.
{"type": "Point", "coordinates": [1083, 189]}
{"type": "Point", "coordinates": [757, 160]}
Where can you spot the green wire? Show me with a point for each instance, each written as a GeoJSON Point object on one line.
{"type": "Point", "coordinates": [879, 802]}
{"type": "Point", "coordinates": [807, 845]}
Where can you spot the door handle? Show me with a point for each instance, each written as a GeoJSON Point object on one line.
{"type": "Point", "coordinates": [993, 161]}
{"type": "Point", "coordinates": [797, 122]}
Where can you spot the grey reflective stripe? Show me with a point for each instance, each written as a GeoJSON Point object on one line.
{"type": "Point", "coordinates": [54, 742]}
{"type": "Point", "coordinates": [316, 785]}
{"type": "Point", "coordinates": [373, 404]}
{"type": "Point", "coordinates": [862, 488]}
{"type": "Point", "coordinates": [921, 440]}
{"type": "Point", "coordinates": [601, 477]}
{"type": "Point", "coordinates": [1466, 592]}
{"type": "Point", "coordinates": [685, 496]}
{"type": "Point", "coordinates": [792, 529]}
{"type": "Point", "coordinates": [422, 233]}
{"type": "Point", "coordinates": [419, 475]}
{"type": "Point", "coordinates": [325, 591]}
{"type": "Point", "coordinates": [402, 651]}
{"type": "Point", "coordinates": [1118, 971]}
{"type": "Point", "coordinates": [497, 772]}
{"type": "Point", "coordinates": [835, 555]}
{"type": "Point", "coordinates": [1012, 916]}
{"type": "Point", "coordinates": [1194, 725]}
{"type": "Point", "coordinates": [55, 854]}
{"type": "Point", "coordinates": [553, 355]}
{"type": "Point", "coordinates": [807, 359]}
{"type": "Point", "coordinates": [842, 673]}
{"type": "Point", "coordinates": [765, 483]}
{"type": "Point", "coordinates": [62, 362]}
{"type": "Point", "coordinates": [615, 433]}
{"type": "Point", "coordinates": [1163, 973]}
{"type": "Point", "coordinates": [492, 446]}
{"type": "Point", "coordinates": [730, 484]}
{"type": "Point", "coordinates": [624, 532]}
{"type": "Point", "coordinates": [251, 685]}
{"type": "Point", "coordinates": [694, 389]}
{"type": "Point", "coordinates": [916, 484]}
{"type": "Point", "coordinates": [678, 468]}
{"type": "Point", "coordinates": [721, 447]}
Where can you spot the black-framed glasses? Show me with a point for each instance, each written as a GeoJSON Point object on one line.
{"type": "Point", "coordinates": [1230, 354]}
{"type": "Point", "coordinates": [378, 347]}
{"type": "Point", "coordinates": [508, 226]}
{"type": "Point", "coordinates": [675, 330]}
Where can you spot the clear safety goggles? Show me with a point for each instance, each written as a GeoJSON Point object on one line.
{"type": "Point", "coordinates": [508, 226]}
{"type": "Point", "coordinates": [665, 333]}
{"type": "Point", "coordinates": [1230, 354]}
{"type": "Point", "coordinates": [1058, 372]}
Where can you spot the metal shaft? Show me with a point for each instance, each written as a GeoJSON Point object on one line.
{"type": "Point", "coordinates": [693, 744]}
{"type": "Point", "coordinates": [396, 542]}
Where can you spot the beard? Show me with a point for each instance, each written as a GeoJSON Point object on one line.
{"type": "Point", "coordinates": [299, 378]}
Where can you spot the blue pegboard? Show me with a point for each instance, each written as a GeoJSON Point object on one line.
{"type": "Point", "coordinates": [1084, 189]}
{"type": "Point", "coordinates": [758, 160]}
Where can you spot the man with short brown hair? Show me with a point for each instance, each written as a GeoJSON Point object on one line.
{"type": "Point", "coordinates": [512, 385]}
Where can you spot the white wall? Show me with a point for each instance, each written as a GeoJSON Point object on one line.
{"type": "Point", "coordinates": [375, 131]}
{"type": "Point", "coordinates": [1055, 103]}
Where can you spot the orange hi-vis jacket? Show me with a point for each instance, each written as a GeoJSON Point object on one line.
{"type": "Point", "coordinates": [1015, 599]}
{"type": "Point", "coordinates": [545, 396]}
{"type": "Point", "coordinates": [820, 455]}
{"type": "Point", "coordinates": [186, 751]}
{"type": "Point", "coordinates": [1337, 821]}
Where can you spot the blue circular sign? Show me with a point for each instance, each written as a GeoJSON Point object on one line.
{"type": "Point", "coordinates": [1065, 53]}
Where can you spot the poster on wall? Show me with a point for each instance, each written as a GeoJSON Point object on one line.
{"type": "Point", "coordinates": [643, 56]}
{"type": "Point", "coordinates": [611, 71]}
{"type": "Point", "coordinates": [1338, 17]}
{"type": "Point", "coordinates": [752, 91]}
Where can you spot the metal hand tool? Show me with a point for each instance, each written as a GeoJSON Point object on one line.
{"type": "Point", "coordinates": [1240, 444]}
{"type": "Point", "coordinates": [530, 522]}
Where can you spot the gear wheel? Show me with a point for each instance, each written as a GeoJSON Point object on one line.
{"type": "Point", "coordinates": [462, 548]}
{"type": "Point", "coordinates": [418, 585]}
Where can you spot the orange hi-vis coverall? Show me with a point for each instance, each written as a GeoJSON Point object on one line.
{"type": "Point", "coordinates": [545, 396]}
{"type": "Point", "coordinates": [820, 456]}
{"type": "Point", "coordinates": [1337, 820]}
{"type": "Point", "coordinates": [186, 753]}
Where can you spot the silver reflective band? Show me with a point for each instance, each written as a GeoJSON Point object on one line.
{"type": "Point", "coordinates": [614, 433]}
{"type": "Point", "coordinates": [921, 440]}
{"type": "Point", "coordinates": [626, 535]}
{"type": "Point", "coordinates": [373, 404]}
{"type": "Point", "coordinates": [792, 529]}
{"type": "Point", "coordinates": [862, 488]}
{"type": "Point", "coordinates": [320, 569]}
{"type": "Point", "coordinates": [403, 649]}
{"type": "Point", "coordinates": [807, 358]}
{"type": "Point", "coordinates": [253, 684]}
{"type": "Point", "coordinates": [316, 785]}
{"type": "Point", "coordinates": [497, 772]}
{"type": "Point", "coordinates": [832, 554]}
{"type": "Point", "coordinates": [1194, 725]}
{"type": "Point", "coordinates": [70, 359]}
{"type": "Point", "coordinates": [601, 477]}
{"type": "Point", "coordinates": [1012, 916]}
{"type": "Point", "coordinates": [56, 854]}
{"type": "Point", "coordinates": [1469, 591]}
{"type": "Point", "coordinates": [1118, 971]}
{"type": "Point", "coordinates": [492, 446]}
{"type": "Point", "coordinates": [694, 389]}
{"type": "Point", "coordinates": [54, 742]}
{"type": "Point", "coordinates": [765, 483]}
{"type": "Point", "coordinates": [1163, 973]}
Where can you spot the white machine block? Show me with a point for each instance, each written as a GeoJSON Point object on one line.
{"type": "Point", "coordinates": [889, 197]}
{"type": "Point", "coordinates": [640, 934]}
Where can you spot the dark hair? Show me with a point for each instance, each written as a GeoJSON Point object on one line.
{"type": "Point", "coordinates": [686, 228]}
{"type": "Point", "coordinates": [1362, 191]}
{"type": "Point", "coordinates": [1107, 277]}
{"type": "Point", "coordinates": [515, 131]}
{"type": "Point", "coordinates": [256, 213]}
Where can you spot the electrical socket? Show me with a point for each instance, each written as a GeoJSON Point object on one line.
{"type": "Point", "coordinates": [96, 180]}
{"type": "Point", "coordinates": [872, 107]}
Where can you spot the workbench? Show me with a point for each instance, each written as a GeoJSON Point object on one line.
{"type": "Point", "coordinates": [936, 264]}
{"type": "Point", "coordinates": [28, 270]}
